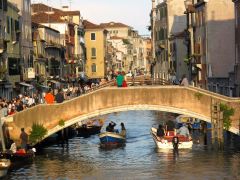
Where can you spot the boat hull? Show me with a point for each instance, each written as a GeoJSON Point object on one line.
{"type": "Point", "coordinates": [18, 157]}
{"type": "Point", "coordinates": [4, 166]}
{"type": "Point", "coordinates": [109, 138]}
{"type": "Point", "coordinates": [167, 143]}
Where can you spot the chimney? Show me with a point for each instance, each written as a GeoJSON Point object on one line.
{"type": "Point", "coordinates": [65, 8]}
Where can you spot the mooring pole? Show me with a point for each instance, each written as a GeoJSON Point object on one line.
{"type": "Point", "coordinates": [220, 130]}
{"type": "Point", "coordinates": [213, 120]}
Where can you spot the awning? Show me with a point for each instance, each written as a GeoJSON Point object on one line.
{"type": "Point", "coordinates": [55, 82]}
{"type": "Point", "coordinates": [26, 84]}
{"type": "Point", "coordinates": [44, 87]}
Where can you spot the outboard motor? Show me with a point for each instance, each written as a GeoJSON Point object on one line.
{"type": "Point", "coordinates": [175, 142]}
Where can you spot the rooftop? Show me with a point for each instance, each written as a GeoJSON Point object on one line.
{"type": "Point", "coordinates": [39, 7]}
{"type": "Point", "coordinates": [114, 25]}
{"type": "Point", "coordinates": [89, 25]}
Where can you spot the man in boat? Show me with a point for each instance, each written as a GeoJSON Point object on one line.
{"type": "Point", "coordinates": [23, 139]}
{"type": "Point", "coordinates": [160, 132]}
{"type": "Point", "coordinates": [13, 147]}
{"type": "Point", "coordinates": [110, 127]}
{"type": "Point", "coordinates": [184, 130]}
{"type": "Point", "coordinates": [170, 125]}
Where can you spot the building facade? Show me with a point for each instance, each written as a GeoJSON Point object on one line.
{"type": "Point", "coordinates": [214, 51]}
{"type": "Point", "coordinates": [27, 70]}
{"type": "Point", "coordinates": [13, 45]}
{"type": "Point", "coordinates": [167, 19]}
{"type": "Point", "coordinates": [96, 45]}
{"type": "Point", "coordinates": [5, 87]}
{"type": "Point", "coordinates": [48, 53]}
{"type": "Point", "coordinates": [237, 47]}
{"type": "Point", "coordinates": [69, 24]}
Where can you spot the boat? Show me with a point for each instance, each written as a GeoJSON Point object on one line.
{"type": "Point", "coordinates": [20, 156]}
{"type": "Point", "coordinates": [112, 139]}
{"type": "Point", "coordinates": [4, 166]}
{"type": "Point", "coordinates": [167, 141]}
{"type": "Point", "coordinates": [90, 128]}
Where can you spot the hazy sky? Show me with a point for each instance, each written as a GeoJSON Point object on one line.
{"type": "Point", "coordinates": [131, 12]}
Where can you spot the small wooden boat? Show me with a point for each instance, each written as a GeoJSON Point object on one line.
{"type": "Point", "coordinates": [90, 128]}
{"type": "Point", "coordinates": [4, 166]}
{"type": "Point", "coordinates": [112, 139]}
{"type": "Point", "coordinates": [167, 141]}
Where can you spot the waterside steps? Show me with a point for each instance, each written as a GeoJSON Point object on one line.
{"type": "Point", "coordinates": [217, 124]}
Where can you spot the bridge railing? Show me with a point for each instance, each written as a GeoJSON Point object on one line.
{"type": "Point", "coordinates": [147, 81]}
{"type": "Point", "coordinates": [107, 84]}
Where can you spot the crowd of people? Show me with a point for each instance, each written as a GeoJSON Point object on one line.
{"type": "Point", "coordinates": [29, 99]}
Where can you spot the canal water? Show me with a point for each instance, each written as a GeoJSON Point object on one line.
{"type": "Point", "coordinates": [138, 159]}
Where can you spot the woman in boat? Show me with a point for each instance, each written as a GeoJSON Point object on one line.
{"type": "Point", "coordinates": [123, 130]}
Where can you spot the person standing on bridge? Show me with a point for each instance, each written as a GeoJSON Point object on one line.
{"type": "Point", "coordinates": [119, 79]}
{"type": "Point", "coordinates": [184, 81]}
{"type": "Point", "coordinates": [49, 98]}
{"type": "Point", "coordinates": [59, 96]}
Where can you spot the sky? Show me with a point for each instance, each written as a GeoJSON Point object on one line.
{"type": "Point", "coordinates": [134, 13]}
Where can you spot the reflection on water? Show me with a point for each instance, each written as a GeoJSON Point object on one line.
{"type": "Point", "coordinates": [138, 159]}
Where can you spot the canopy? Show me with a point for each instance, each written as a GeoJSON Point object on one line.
{"type": "Point", "coordinates": [26, 84]}
{"type": "Point", "coordinates": [182, 118]}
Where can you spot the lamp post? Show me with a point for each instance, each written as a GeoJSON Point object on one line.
{"type": "Point", "coordinates": [187, 3]}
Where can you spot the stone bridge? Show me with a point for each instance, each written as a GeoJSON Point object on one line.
{"type": "Point", "coordinates": [183, 100]}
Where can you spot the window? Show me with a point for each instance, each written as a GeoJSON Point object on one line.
{"type": "Point", "coordinates": [5, 5]}
{"type": "Point", "coordinates": [14, 66]}
{"type": "Point", "coordinates": [93, 53]}
{"type": "Point", "coordinates": [94, 67]}
{"type": "Point", "coordinates": [17, 25]}
{"type": "Point", "coordinates": [8, 24]}
{"type": "Point", "coordinates": [93, 36]}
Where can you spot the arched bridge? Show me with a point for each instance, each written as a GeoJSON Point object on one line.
{"type": "Point", "coordinates": [183, 100]}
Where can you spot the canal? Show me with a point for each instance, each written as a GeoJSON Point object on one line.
{"type": "Point", "coordinates": [138, 159]}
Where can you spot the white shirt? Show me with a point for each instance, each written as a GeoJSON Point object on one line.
{"type": "Point", "coordinates": [13, 148]}
{"type": "Point", "coordinates": [184, 131]}
{"type": "Point", "coordinates": [184, 82]}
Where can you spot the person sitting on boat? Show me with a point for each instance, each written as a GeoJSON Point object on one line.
{"type": "Point", "coordinates": [123, 130]}
{"type": "Point", "coordinates": [184, 130]}
{"type": "Point", "coordinates": [13, 147]}
{"type": "Point", "coordinates": [170, 125]}
{"type": "Point", "coordinates": [160, 131]}
{"type": "Point", "coordinates": [110, 127]}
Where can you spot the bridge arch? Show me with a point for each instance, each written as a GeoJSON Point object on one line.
{"type": "Point", "coordinates": [183, 100]}
{"type": "Point", "coordinates": [128, 108]}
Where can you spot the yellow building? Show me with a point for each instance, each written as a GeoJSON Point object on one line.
{"type": "Point", "coordinates": [96, 43]}
{"type": "Point", "coordinates": [13, 47]}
